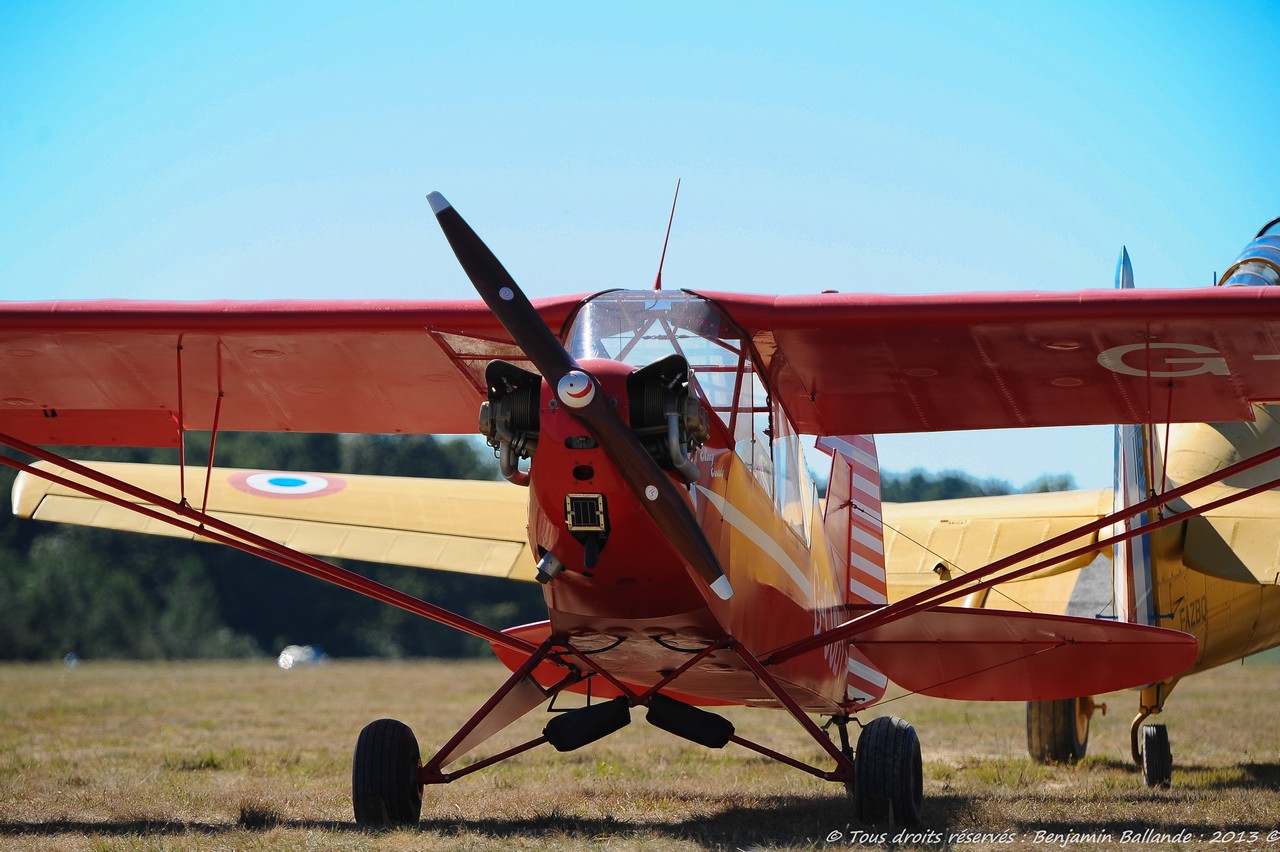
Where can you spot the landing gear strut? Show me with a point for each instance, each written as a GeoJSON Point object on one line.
{"type": "Point", "coordinates": [1149, 744]}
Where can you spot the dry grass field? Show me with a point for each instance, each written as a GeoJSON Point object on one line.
{"type": "Point", "coordinates": [247, 756]}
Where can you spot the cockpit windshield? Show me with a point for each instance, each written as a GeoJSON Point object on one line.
{"type": "Point", "coordinates": [641, 327]}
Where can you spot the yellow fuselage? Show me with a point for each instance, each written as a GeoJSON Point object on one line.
{"type": "Point", "coordinates": [1216, 576]}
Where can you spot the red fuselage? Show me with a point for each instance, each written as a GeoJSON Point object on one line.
{"type": "Point", "coordinates": [627, 597]}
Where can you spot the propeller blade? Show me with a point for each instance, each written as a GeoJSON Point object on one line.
{"type": "Point", "coordinates": [575, 388]}
{"type": "Point", "coordinates": [501, 293]}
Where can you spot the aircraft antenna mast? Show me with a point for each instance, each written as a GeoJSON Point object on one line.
{"type": "Point", "coordinates": [657, 282]}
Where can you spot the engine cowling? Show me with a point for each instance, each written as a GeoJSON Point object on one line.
{"type": "Point", "coordinates": [665, 416]}
{"type": "Point", "coordinates": [509, 418]}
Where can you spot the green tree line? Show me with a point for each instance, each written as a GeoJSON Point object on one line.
{"type": "Point", "coordinates": [917, 485]}
{"type": "Point", "coordinates": [104, 594]}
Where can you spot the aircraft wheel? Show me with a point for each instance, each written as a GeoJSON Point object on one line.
{"type": "Point", "coordinates": [888, 774]}
{"type": "Point", "coordinates": [1058, 731]}
{"type": "Point", "coordinates": [1157, 757]}
{"type": "Point", "coordinates": [384, 776]}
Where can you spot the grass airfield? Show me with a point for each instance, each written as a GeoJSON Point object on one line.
{"type": "Point", "coordinates": [244, 755]}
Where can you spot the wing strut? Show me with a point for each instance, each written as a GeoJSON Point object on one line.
{"type": "Point", "coordinates": [181, 423]}
{"type": "Point", "coordinates": [960, 586]}
{"type": "Point", "coordinates": [202, 524]}
{"type": "Point", "coordinates": [213, 436]}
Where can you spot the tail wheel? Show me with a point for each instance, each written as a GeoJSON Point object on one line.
{"type": "Point", "coordinates": [1058, 731]}
{"type": "Point", "coordinates": [888, 773]}
{"type": "Point", "coordinates": [384, 775]}
{"type": "Point", "coordinates": [1157, 757]}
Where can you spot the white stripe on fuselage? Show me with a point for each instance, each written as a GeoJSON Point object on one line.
{"type": "Point", "coordinates": [761, 539]}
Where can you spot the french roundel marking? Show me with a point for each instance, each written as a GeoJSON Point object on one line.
{"type": "Point", "coordinates": [286, 485]}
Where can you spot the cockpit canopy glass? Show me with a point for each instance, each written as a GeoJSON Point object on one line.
{"type": "Point", "coordinates": [641, 327]}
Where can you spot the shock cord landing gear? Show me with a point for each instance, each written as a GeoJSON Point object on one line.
{"type": "Point", "coordinates": [884, 778]}
{"type": "Point", "coordinates": [1149, 744]}
{"type": "Point", "coordinates": [846, 748]}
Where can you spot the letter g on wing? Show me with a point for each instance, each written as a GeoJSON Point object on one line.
{"type": "Point", "coordinates": [1208, 360]}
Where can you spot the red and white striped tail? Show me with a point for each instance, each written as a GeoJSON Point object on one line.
{"type": "Point", "coordinates": [855, 529]}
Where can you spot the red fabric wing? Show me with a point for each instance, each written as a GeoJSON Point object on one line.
{"type": "Point", "coordinates": [843, 364]}
{"type": "Point", "coordinates": [108, 372]}
{"type": "Point", "coordinates": [857, 364]}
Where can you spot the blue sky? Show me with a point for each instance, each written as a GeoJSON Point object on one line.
{"type": "Point", "coordinates": [283, 150]}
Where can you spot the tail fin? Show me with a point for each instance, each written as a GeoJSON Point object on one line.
{"type": "Point", "coordinates": [855, 530]}
{"type": "Point", "coordinates": [1131, 565]}
{"type": "Point", "coordinates": [1134, 474]}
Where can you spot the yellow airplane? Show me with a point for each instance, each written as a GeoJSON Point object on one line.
{"type": "Point", "coordinates": [1214, 575]}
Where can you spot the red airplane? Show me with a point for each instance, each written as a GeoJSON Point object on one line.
{"type": "Point", "coordinates": [687, 561]}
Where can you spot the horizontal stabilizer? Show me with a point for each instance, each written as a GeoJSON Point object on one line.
{"type": "Point", "coordinates": [994, 655]}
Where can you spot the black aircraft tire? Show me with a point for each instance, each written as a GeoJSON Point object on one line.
{"type": "Point", "coordinates": [888, 773]}
{"type": "Point", "coordinates": [384, 776]}
{"type": "Point", "coordinates": [1157, 757]}
{"type": "Point", "coordinates": [1057, 731]}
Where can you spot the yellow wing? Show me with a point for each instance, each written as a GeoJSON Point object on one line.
{"type": "Point", "coordinates": [929, 542]}
{"type": "Point", "coordinates": [449, 525]}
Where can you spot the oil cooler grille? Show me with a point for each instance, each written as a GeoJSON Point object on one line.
{"type": "Point", "coordinates": [584, 512]}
